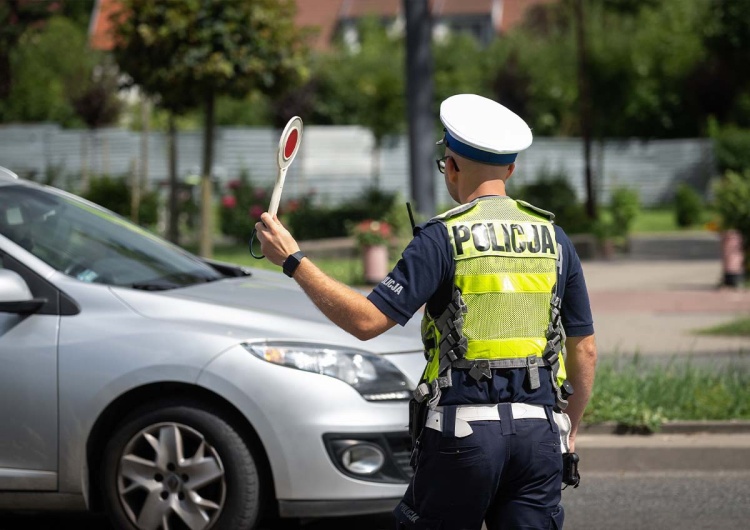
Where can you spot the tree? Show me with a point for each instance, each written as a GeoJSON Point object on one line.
{"type": "Point", "coordinates": [453, 74]}
{"type": "Point", "coordinates": [363, 84]}
{"type": "Point", "coordinates": [188, 53]}
{"type": "Point", "coordinates": [58, 78]}
{"type": "Point", "coordinates": [16, 16]}
{"type": "Point", "coordinates": [723, 80]}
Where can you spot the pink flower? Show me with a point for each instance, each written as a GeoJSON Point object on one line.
{"type": "Point", "coordinates": [234, 184]}
{"type": "Point", "coordinates": [292, 206]}
{"type": "Point", "coordinates": [259, 193]}
{"type": "Point", "coordinates": [372, 232]}
{"type": "Point", "coordinates": [256, 211]}
{"type": "Point", "coordinates": [229, 201]}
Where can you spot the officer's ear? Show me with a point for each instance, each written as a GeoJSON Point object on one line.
{"type": "Point", "coordinates": [511, 168]}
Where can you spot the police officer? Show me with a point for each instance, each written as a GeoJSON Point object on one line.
{"type": "Point", "coordinates": [504, 297]}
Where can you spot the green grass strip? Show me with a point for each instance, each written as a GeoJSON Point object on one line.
{"type": "Point", "coordinates": [644, 395]}
{"type": "Point", "coordinates": [736, 328]}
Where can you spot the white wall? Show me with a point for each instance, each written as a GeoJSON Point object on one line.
{"type": "Point", "coordinates": [336, 162]}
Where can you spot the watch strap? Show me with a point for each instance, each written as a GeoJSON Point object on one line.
{"type": "Point", "coordinates": [292, 262]}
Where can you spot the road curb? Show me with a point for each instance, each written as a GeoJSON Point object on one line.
{"type": "Point", "coordinates": [679, 446]}
{"type": "Point", "coordinates": [671, 427]}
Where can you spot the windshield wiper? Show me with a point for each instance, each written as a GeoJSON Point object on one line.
{"type": "Point", "coordinates": [228, 269]}
{"type": "Point", "coordinates": [167, 282]}
{"type": "Point", "coordinates": [155, 285]}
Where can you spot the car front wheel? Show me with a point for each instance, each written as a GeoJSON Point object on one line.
{"type": "Point", "coordinates": [180, 467]}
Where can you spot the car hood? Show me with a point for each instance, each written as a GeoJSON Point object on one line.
{"type": "Point", "coordinates": [266, 305]}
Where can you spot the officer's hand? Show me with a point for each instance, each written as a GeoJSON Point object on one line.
{"type": "Point", "coordinates": [276, 242]}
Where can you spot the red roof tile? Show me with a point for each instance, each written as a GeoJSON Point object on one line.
{"type": "Point", "coordinates": [321, 16]}
{"type": "Point", "coordinates": [361, 8]}
{"type": "Point", "coordinates": [462, 7]}
{"type": "Point", "coordinates": [514, 11]}
{"type": "Point", "coordinates": [100, 28]}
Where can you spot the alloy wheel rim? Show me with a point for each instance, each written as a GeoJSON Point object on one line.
{"type": "Point", "coordinates": [170, 478]}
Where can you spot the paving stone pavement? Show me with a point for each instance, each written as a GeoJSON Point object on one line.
{"type": "Point", "coordinates": [655, 308]}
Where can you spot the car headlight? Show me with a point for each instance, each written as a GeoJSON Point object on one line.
{"type": "Point", "coordinates": [377, 379]}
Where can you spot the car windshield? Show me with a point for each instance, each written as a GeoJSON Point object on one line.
{"type": "Point", "coordinates": [92, 244]}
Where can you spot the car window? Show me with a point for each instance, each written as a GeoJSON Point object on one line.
{"type": "Point", "coordinates": [92, 244]}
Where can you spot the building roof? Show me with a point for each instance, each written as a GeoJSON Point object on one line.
{"type": "Point", "coordinates": [321, 16]}
{"type": "Point", "coordinates": [514, 12]}
{"type": "Point", "coordinates": [361, 8]}
{"type": "Point", "coordinates": [100, 26]}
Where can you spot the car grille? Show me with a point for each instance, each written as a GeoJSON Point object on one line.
{"type": "Point", "coordinates": [400, 447]}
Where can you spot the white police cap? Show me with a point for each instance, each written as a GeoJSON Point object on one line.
{"type": "Point", "coordinates": [480, 129]}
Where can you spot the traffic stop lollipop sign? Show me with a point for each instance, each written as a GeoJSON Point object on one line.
{"type": "Point", "coordinates": [289, 144]}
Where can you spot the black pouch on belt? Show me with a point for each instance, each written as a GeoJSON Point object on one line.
{"type": "Point", "coordinates": [570, 470]}
{"type": "Point", "coordinates": [417, 419]}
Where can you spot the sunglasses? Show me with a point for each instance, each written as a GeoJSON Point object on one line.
{"type": "Point", "coordinates": [441, 163]}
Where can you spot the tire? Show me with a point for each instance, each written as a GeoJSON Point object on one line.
{"type": "Point", "coordinates": [148, 486]}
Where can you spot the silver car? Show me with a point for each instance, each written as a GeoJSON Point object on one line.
{"type": "Point", "coordinates": [176, 392]}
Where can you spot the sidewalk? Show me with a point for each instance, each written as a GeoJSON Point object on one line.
{"type": "Point", "coordinates": [653, 308]}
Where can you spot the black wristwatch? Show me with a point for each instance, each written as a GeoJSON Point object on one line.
{"type": "Point", "coordinates": [292, 262]}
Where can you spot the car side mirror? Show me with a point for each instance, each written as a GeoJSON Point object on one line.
{"type": "Point", "coordinates": [15, 296]}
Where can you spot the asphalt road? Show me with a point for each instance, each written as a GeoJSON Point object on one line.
{"type": "Point", "coordinates": [675, 500]}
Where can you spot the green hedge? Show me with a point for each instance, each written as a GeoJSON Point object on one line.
{"type": "Point", "coordinates": [114, 194]}
{"type": "Point", "coordinates": [688, 206]}
{"type": "Point", "coordinates": [308, 221]}
{"type": "Point", "coordinates": [732, 149]}
{"type": "Point", "coordinates": [552, 192]}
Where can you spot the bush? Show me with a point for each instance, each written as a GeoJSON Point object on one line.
{"type": "Point", "coordinates": [688, 206]}
{"type": "Point", "coordinates": [732, 197]}
{"type": "Point", "coordinates": [624, 206]}
{"type": "Point", "coordinates": [732, 202]}
{"type": "Point", "coordinates": [553, 192]}
{"type": "Point", "coordinates": [732, 149]}
{"type": "Point", "coordinates": [114, 194]}
{"type": "Point", "coordinates": [241, 207]}
{"type": "Point", "coordinates": [308, 221]}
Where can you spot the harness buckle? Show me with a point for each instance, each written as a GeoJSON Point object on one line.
{"type": "Point", "coordinates": [532, 367]}
{"type": "Point", "coordinates": [421, 392]}
{"type": "Point", "coordinates": [480, 370]}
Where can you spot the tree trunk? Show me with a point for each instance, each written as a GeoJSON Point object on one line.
{"type": "Point", "coordinates": [84, 181]}
{"type": "Point", "coordinates": [584, 102]}
{"type": "Point", "coordinates": [206, 241]}
{"type": "Point", "coordinates": [140, 177]}
{"type": "Point", "coordinates": [419, 93]}
{"type": "Point", "coordinates": [143, 175]}
{"type": "Point", "coordinates": [375, 164]}
{"type": "Point", "coordinates": [173, 230]}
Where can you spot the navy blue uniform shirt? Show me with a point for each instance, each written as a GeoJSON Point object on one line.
{"type": "Point", "coordinates": [425, 275]}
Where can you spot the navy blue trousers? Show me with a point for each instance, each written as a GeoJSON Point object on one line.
{"type": "Point", "coordinates": [510, 481]}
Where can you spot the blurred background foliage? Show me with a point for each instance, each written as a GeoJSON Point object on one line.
{"type": "Point", "coordinates": [658, 69]}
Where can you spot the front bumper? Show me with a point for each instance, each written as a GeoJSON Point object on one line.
{"type": "Point", "coordinates": [293, 412]}
{"type": "Point", "coordinates": [337, 508]}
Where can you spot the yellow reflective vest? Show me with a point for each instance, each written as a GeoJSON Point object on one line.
{"type": "Point", "coordinates": [506, 264]}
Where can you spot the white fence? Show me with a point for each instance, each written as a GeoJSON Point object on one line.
{"type": "Point", "coordinates": [336, 162]}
